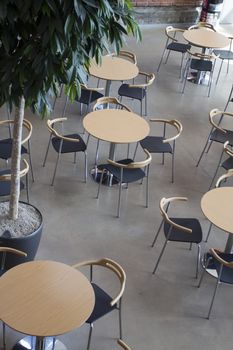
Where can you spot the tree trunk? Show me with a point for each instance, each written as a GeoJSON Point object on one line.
{"type": "Point", "coordinates": [15, 159]}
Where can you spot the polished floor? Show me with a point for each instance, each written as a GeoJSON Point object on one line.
{"type": "Point", "coordinates": [161, 311]}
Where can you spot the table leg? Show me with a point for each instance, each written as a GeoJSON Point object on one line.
{"type": "Point", "coordinates": [37, 343]}
{"type": "Point", "coordinates": [198, 77]}
{"type": "Point", "coordinates": [107, 87]}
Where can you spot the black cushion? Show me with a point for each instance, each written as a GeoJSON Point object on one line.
{"type": "Point", "coordinates": [154, 144]}
{"type": "Point", "coordinates": [88, 96]}
{"type": "Point", "coordinates": [69, 146]}
{"type": "Point", "coordinates": [222, 137]}
{"type": "Point", "coordinates": [102, 304]}
{"type": "Point", "coordinates": [201, 65]}
{"type": "Point", "coordinates": [224, 54]}
{"type": "Point", "coordinates": [6, 148]}
{"type": "Point", "coordinates": [181, 236]}
{"type": "Point", "coordinates": [227, 272]}
{"type": "Point", "coordinates": [129, 175]}
{"type": "Point", "coordinates": [5, 186]}
{"type": "Point", "coordinates": [132, 92]}
{"type": "Point", "coordinates": [179, 47]}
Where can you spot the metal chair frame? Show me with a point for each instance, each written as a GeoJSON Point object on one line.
{"type": "Point", "coordinates": [218, 53]}
{"type": "Point", "coordinates": [53, 132]}
{"type": "Point", "coordinates": [119, 272]}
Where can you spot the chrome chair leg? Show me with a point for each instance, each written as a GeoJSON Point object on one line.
{"type": "Point", "coordinates": [75, 157]}
{"type": "Point", "coordinates": [135, 150]}
{"type": "Point", "coordinates": [157, 233]}
{"type": "Point", "coordinates": [219, 72]}
{"type": "Point", "coordinates": [160, 256]}
{"type": "Point", "coordinates": [161, 60]}
{"type": "Point", "coordinates": [89, 337]}
{"type": "Point", "coordinates": [173, 164]}
{"type": "Point", "coordinates": [215, 290]}
{"type": "Point", "coordinates": [47, 150]}
{"type": "Point", "coordinates": [203, 272]}
{"type": "Point", "coordinates": [85, 167]}
{"type": "Point", "coordinates": [120, 320]}
{"type": "Point", "coordinates": [100, 183]}
{"type": "Point", "coordinates": [27, 188]}
{"type": "Point", "coordinates": [4, 335]}
{"type": "Point", "coordinates": [30, 160]}
{"type": "Point", "coordinates": [119, 195]}
{"type": "Point", "coordinates": [147, 187]}
{"type": "Point", "coordinates": [216, 171]}
{"type": "Point", "coordinates": [97, 151]}
{"type": "Point", "coordinates": [208, 233]}
{"type": "Point", "coordinates": [55, 170]}
{"type": "Point", "coordinates": [203, 151]}
{"type": "Point", "coordinates": [198, 259]}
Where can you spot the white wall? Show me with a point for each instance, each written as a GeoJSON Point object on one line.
{"type": "Point", "coordinates": [227, 12]}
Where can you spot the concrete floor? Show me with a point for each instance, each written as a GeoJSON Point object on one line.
{"type": "Point", "coordinates": [161, 311]}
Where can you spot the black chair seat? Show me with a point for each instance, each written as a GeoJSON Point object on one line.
{"type": "Point", "coordinates": [154, 144]}
{"type": "Point", "coordinates": [181, 236]}
{"type": "Point", "coordinates": [227, 272]}
{"type": "Point", "coordinates": [5, 186]}
{"type": "Point", "coordinates": [179, 47]}
{"type": "Point", "coordinates": [228, 163]}
{"type": "Point", "coordinates": [221, 137]}
{"type": "Point", "coordinates": [129, 175]}
{"type": "Point", "coordinates": [201, 65]}
{"type": "Point", "coordinates": [224, 54]}
{"type": "Point", "coordinates": [102, 304]}
{"type": "Point", "coordinates": [69, 146]}
{"type": "Point", "coordinates": [131, 92]}
{"type": "Point", "coordinates": [88, 96]}
{"type": "Point", "coordinates": [6, 148]}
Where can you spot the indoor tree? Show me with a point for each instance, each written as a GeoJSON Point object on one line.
{"type": "Point", "coordinates": [46, 43]}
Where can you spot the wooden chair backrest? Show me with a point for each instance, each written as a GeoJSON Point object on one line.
{"type": "Point", "coordinates": [85, 87]}
{"type": "Point", "coordinates": [54, 132]}
{"type": "Point", "coordinates": [133, 165]}
{"type": "Point", "coordinates": [26, 125]}
{"type": "Point", "coordinates": [5, 250]}
{"type": "Point", "coordinates": [215, 253]}
{"type": "Point", "coordinates": [170, 32]}
{"type": "Point", "coordinates": [111, 265]}
{"type": "Point", "coordinates": [23, 172]}
{"type": "Point", "coordinates": [202, 56]}
{"type": "Point", "coordinates": [164, 202]}
{"type": "Point", "coordinates": [150, 77]}
{"type": "Point", "coordinates": [223, 177]}
{"type": "Point", "coordinates": [203, 25]}
{"type": "Point", "coordinates": [123, 344]}
{"type": "Point", "coordinates": [173, 122]}
{"type": "Point", "coordinates": [130, 56]}
{"type": "Point", "coordinates": [217, 113]}
{"type": "Point", "coordinates": [110, 100]}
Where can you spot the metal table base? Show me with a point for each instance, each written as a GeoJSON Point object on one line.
{"type": "Point", "coordinates": [32, 343]}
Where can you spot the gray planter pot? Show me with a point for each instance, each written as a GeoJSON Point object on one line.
{"type": "Point", "coordinates": [28, 244]}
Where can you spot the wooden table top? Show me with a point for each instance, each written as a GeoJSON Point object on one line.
{"type": "Point", "coordinates": [206, 38]}
{"type": "Point", "coordinates": [117, 126]}
{"type": "Point", "coordinates": [217, 206]}
{"type": "Point", "coordinates": [45, 298]}
{"type": "Point", "coordinates": [114, 68]}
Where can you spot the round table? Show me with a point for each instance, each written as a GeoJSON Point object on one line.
{"type": "Point", "coordinates": [217, 206]}
{"type": "Point", "coordinates": [206, 38]}
{"type": "Point", "coordinates": [115, 126]}
{"type": "Point", "coordinates": [44, 299]}
{"type": "Point", "coordinates": [113, 68]}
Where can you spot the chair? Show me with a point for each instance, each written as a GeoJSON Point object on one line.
{"type": "Point", "coordinates": [217, 133]}
{"type": "Point", "coordinates": [110, 103]}
{"type": "Point", "coordinates": [5, 181]}
{"type": "Point", "coordinates": [6, 144]}
{"type": "Point", "coordinates": [186, 230]}
{"type": "Point", "coordinates": [123, 344]}
{"type": "Point", "coordinates": [71, 143]}
{"type": "Point", "coordinates": [104, 303]}
{"type": "Point", "coordinates": [202, 63]}
{"type": "Point", "coordinates": [222, 263]}
{"type": "Point", "coordinates": [163, 144]}
{"type": "Point", "coordinates": [226, 164]}
{"type": "Point", "coordinates": [126, 171]}
{"type": "Point", "coordinates": [222, 178]}
{"type": "Point", "coordinates": [224, 55]}
{"type": "Point", "coordinates": [203, 25]}
{"type": "Point", "coordinates": [137, 91]}
{"type": "Point", "coordinates": [4, 251]}
{"type": "Point", "coordinates": [172, 44]}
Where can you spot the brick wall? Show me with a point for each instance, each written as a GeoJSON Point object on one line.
{"type": "Point", "coordinates": [167, 11]}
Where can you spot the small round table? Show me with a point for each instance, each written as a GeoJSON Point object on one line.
{"type": "Point", "coordinates": [113, 68]}
{"type": "Point", "coordinates": [44, 299]}
{"type": "Point", "coordinates": [217, 206]}
{"type": "Point", "coordinates": [207, 39]}
{"type": "Point", "coordinates": [115, 126]}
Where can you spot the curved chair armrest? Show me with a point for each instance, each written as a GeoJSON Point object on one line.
{"type": "Point", "coordinates": [26, 124]}
{"type": "Point", "coordinates": [229, 173]}
{"type": "Point", "coordinates": [150, 79]}
{"type": "Point", "coordinates": [227, 149]}
{"type": "Point", "coordinates": [212, 114]}
{"type": "Point", "coordinates": [171, 29]}
{"type": "Point", "coordinates": [123, 344]}
{"type": "Point", "coordinates": [13, 251]}
{"type": "Point", "coordinates": [163, 202]}
{"type": "Point", "coordinates": [173, 122]}
{"type": "Point", "coordinates": [50, 124]}
{"type": "Point", "coordinates": [215, 252]}
{"type": "Point", "coordinates": [85, 87]}
{"type": "Point", "coordinates": [23, 172]}
{"type": "Point", "coordinates": [202, 55]}
{"type": "Point", "coordinates": [133, 165]}
{"type": "Point", "coordinates": [113, 100]}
